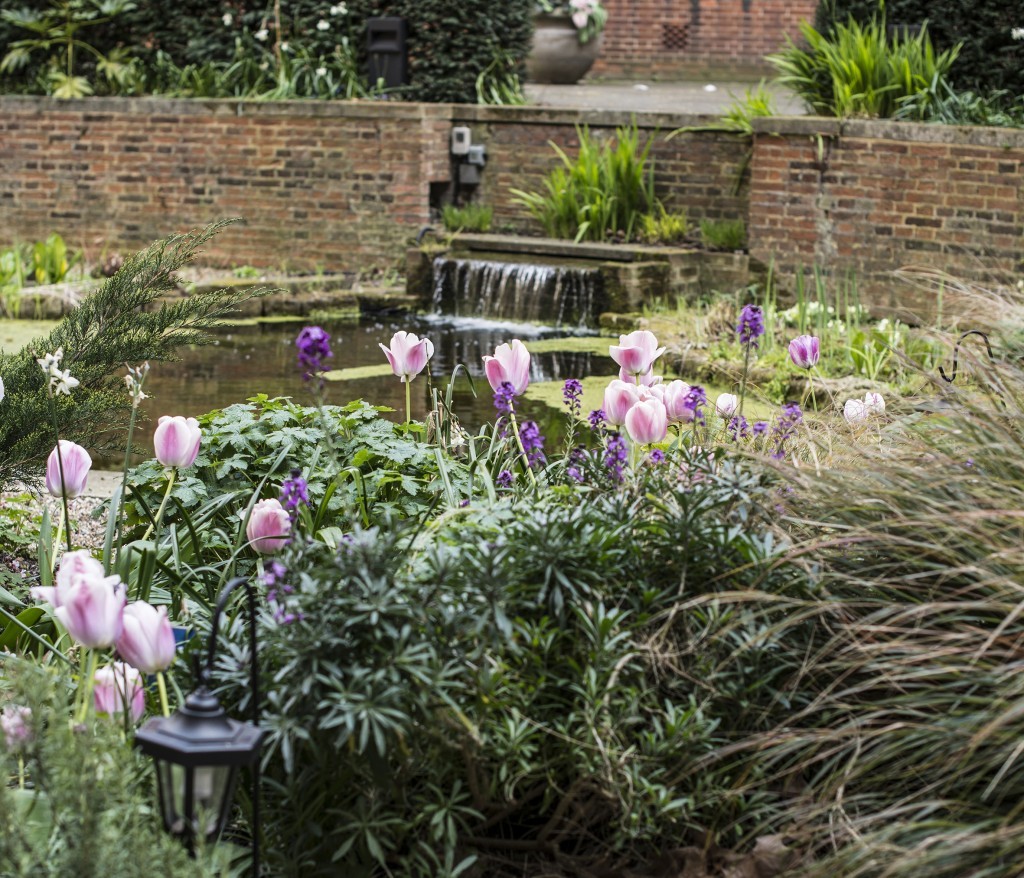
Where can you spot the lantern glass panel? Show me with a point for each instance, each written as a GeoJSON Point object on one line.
{"type": "Point", "coordinates": [195, 801]}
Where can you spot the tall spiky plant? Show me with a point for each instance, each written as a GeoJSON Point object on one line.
{"type": "Point", "coordinates": [119, 324]}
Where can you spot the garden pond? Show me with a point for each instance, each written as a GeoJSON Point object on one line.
{"type": "Point", "coordinates": [259, 356]}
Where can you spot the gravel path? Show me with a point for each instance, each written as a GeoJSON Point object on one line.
{"type": "Point", "coordinates": [18, 507]}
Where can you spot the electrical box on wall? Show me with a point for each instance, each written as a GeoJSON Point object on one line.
{"type": "Point", "coordinates": [461, 140]}
{"type": "Point", "coordinates": [469, 174]}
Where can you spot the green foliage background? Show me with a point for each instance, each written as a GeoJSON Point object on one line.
{"type": "Point", "coordinates": [990, 58]}
{"type": "Point", "coordinates": [449, 44]}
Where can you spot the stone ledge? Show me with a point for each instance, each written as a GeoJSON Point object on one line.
{"type": "Point", "coordinates": [887, 129]}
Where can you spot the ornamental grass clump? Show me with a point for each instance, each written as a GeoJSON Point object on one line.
{"type": "Point", "coordinates": [906, 754]}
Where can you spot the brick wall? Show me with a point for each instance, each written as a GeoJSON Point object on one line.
{"type": "Point", "coordinates": [337, 186]}
{"type": "Point", "coordinates": [666, 38]}
{"type": "Point", "coordinates": [694, 171]}
{"type": "Point", "coordinates": [868, 198]}
{"type": "Point", "coordinates": [343, 186]}
{"type": "Point", "coordinates": [312, 181]}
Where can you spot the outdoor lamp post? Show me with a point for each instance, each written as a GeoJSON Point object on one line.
{"type": "Point", "coordinates": [198, 750]}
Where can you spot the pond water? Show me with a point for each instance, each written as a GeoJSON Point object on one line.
{"type": "Point", "coordinates": [261, 358]}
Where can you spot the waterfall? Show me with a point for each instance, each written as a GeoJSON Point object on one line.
{"type": "Point", "coordinates": [527, 292]}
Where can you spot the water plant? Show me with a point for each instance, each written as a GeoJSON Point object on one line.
{"type": "Point", "coordinates": [471, 217]}
{"type": "Point", "coordinates": [602, 192]}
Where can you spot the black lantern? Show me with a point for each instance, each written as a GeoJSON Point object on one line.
{"type": "Point", "coordinates": [198, 751]}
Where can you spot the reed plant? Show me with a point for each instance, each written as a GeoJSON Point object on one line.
{"type": "Point", "coordinates": [861, 69]}
{"type": "Point", "coordinates": [603, 192]}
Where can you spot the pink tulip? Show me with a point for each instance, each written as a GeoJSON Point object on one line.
{"type": "Point", "coordinates": [116, 686]}
{"type": "Point", "coordinates": [619, 398]}
{"type": "Point", "coordinates": [855, 411]}
{"type": "Point", "coordinates": [511, 363]}
{"type": "Point", "coordinates": [76, 462]}
{"type": "Point", "coordinates": [146, 641]}
{"type": "Point", "coordinates": [874, 403]}
{"type": "Point", "coordinates": [176, 441]}
{"type": "Point", "coordinates": [16, 723]}
{"type": "Point", "coordinates": [87, 603]}
{"type": "Point", "coordinates": [804, 351]}
{"type": "Point", "coordinates": [269, 526]}
{"type": "Point", "coordinates": [726, 404]}
{"type": "Point", "coordinates": [675, 397]}
{"type": "Point", "coordinates": [635, 353]}
{"type": "Point", "coordinates": [647, 422]}
{"type": "Point", "coordinates": [408, 354]}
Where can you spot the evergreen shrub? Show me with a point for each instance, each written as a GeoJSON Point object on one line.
{"type": "Point", "coordinates": [449, 45]}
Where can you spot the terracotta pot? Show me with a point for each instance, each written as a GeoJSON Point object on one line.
{"type": "Point", "coordinates": [556, 55]}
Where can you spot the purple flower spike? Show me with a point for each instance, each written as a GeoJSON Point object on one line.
{"type": "Point", "coordinates": [533, 443]}
{"type": "Point", "coordinates": [293, 492]}
{"type": "Point", "coordinates": [313, 345]}
{"type": "Point", "coordinates": [571, 393]}
{"type": "Point", "coordinates": [751, 325]}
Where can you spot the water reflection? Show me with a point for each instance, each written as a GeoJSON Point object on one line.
{"type": "Point", "coordinates": [247, 360]}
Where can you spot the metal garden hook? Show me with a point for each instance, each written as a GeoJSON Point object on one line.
{"type": "Point", "coordinates": [956, 350]}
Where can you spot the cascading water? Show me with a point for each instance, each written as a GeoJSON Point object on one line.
{"type": "Point", "coordinates": [564, 297]}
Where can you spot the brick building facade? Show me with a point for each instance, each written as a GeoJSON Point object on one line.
{"type": "Point", "coordinates": [663, 39]}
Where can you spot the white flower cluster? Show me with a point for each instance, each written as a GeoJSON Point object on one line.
{"type": "Point", "coordinates": [60, 380]}
{"type": "Point", "coordinates": [1017, 33]}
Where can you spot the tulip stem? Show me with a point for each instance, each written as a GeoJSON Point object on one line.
{"type": "Point", "coordinates": [21, 772]}
{"type": "Point", "coordinates": [124, 482]}
{"type": "Point", "coordinates": [161, 686]}
{"type": "Point", "coordinates": [60, 468]}
{"type": "Point", "coordinates": [155, 523]}
{"type": "Point", "coordinates": [86, 685]}
{"type": "Point", "coordinates": [60, 534]}
{"type": "Point", "coordinates": [408, 401]}
{"type": "Point", "coordinates": [743, 379]}
{"type": "Point", "coordinates": [519, 443]}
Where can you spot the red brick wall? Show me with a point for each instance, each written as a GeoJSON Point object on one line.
{"type": "Point", "coordinates": [868, 198]}
{"type": "Point", "coordinates": [693, 171]}
{"type": "Point", "coordinates": [338, 186]}
{"type": "Point", "coordinates": [666, 38]}
{"type": "Point", "coordinates": [314, 182]}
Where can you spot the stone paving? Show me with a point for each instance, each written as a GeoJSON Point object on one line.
{"type": "Point", "coordinates": [700, 97]}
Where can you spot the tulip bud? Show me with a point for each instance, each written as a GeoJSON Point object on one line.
{"type": "Point", "coordinates": [147, 640]}
{"type": "Point", "coordinates": [511, 363]}
{"type": "Point", "coordinates": [619, 398]}
{"type": "Point", "coordinates": [855, 411]}
{"type": "Point", "coordinates": [726, 404]}
{"type": "Point", "coordinates": [647, 422]}
{"type": "Point", "coordinates": [636, 352]}
{"type": "Point", "coordinates": [176, 441]}
{"type": "Point", "coordinates": [117, 686]}
{"type": "Point", "coordinates": [408, 354]}
{"type": "Point", "coordinates": [76, 462]}
{"type": "Point", "coordinates": [87, 603]}
{"type": "Point", "coordinates": [676, 398]}
{"type": "Point", "coordinates": [804, 351]}
{"type": "Point", "coordinates": [269, 526]}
